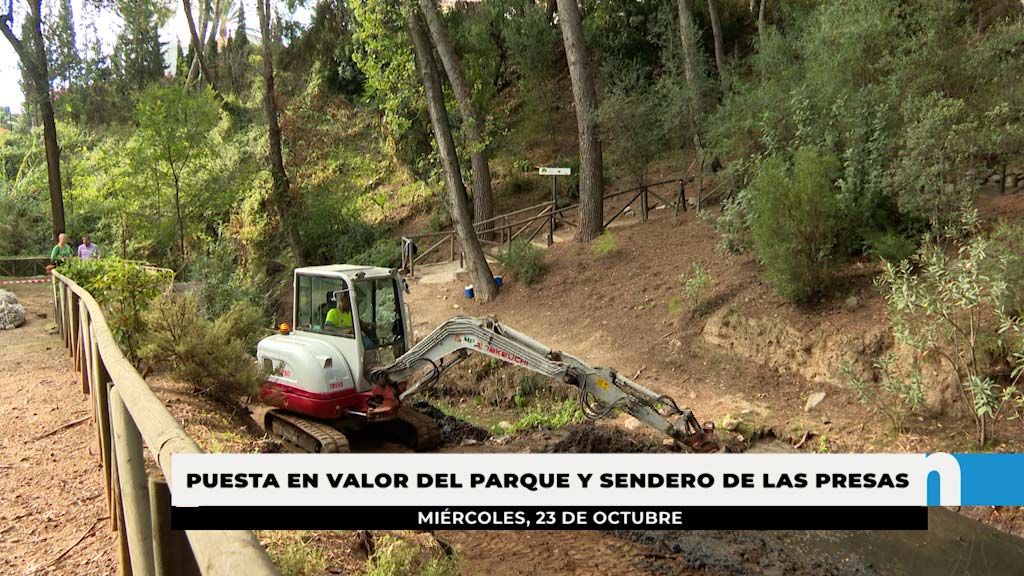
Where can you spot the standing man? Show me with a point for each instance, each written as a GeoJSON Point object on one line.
{"type": "Point", "coordinates": [61, 252]}
{"type": "Point", "coordinates": [87, 250]}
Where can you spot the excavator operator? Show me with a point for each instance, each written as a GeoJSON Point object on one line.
{"type": "Point", "coordinates": [340, 315]}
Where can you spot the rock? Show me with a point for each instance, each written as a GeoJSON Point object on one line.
{"type": "Point", "coordinates": [504, 424]}
{"type": "Point", "coordinates": [813, 400]}
{"type": "Point", "coordinates": [668, 442]}
{"type": "Point", "coordinates": [455, 306]}
{"type": "Point", "coordinates": [826, 420]}
{"type": "Point", "coordinates": [851, 303]}
{"type": "Point", "coordinates": [730, 423]}
{"type": "Point", "coordinates": [995, 178]}
{"type": "Point", "coordinates": [631, 423]}
{"type": "Point", "coordinates": [470, 442]}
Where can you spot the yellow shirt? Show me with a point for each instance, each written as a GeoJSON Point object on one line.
{"type": "Point", "coordinates": [339, 318]}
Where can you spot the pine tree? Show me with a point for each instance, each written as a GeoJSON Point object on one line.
{"type": "Point", "coordinates": [138, 52]}
{"type": "Point", "coordinates": [66, 62]}
{"type": "Point", "coordinates": [180, 63]}
{"type": "Point", "coordinates": [241, 39]}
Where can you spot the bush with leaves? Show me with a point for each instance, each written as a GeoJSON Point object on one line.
{"type": "Point", "coordinates": [695, 283]}
{"type": "Point", "coordinates": [949, 309]}
{"type": "Point", "coordinates": [1007, 263]}
{"type": "Point", "coordinates": [212, 357]}
{"type": "Point", "coordinates": [894, 396]}
{"type": "Point", "coordinates": [794, 221]}
{"type": "Point", "coordinates": [524, 261]}
{"type": "Point", "coordinates": [125, 290]}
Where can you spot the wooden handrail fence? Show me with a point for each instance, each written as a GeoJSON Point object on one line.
{"type": "Point", "coordinates": [23, 266]}
{"type": "Point", "coordinates": [130, 420]}
{"type": "Point", "coordinates": [528, 222]}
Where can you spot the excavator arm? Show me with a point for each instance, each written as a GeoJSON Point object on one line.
{"type": "Point", "coordinates": [601, 390]}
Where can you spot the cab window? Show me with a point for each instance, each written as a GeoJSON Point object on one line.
{"type": "Point", "coordinates": [379, 314]}
{"type": "Point", "coordinates": [315, 296]}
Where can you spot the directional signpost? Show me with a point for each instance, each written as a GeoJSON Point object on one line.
{"type": "Point", "coordinates": [554, 173]}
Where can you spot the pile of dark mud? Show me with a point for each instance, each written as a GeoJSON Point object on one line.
{"type": "Point", "coordinates": [588, 438]}
{"type": "Point", "coordinates": [453, 430]}
{"type": "Point", "coordinates": [745, 552]}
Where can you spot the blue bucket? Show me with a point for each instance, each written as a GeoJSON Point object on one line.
{"type": "Point", "coordinates": [499, 281]}
{"type": "Point", "coordinates": [469, 291]}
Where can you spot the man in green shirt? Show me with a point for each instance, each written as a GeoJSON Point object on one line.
{"type": "Point", "coordinates": [61, 252]}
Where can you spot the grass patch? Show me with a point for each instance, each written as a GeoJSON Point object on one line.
{"type": "Point", "coordinates": [396, 556]}
{"type": "Point", "coordinates": [545, 416]}
{"type": "Point", "coordinates": [294, 554]}
{"type": "Point", "coordinates": [605, 245]}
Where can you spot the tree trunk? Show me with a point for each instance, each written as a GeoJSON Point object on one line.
{"type": "Point", "coordinates": [591, 210]}
{"type": "Point", "coordinates": [483, 197]}
{"type": "Point", "coordinates": [716, 28]}
{"type": "Point", "coordinates": [42, 91]}
{"type": "Point", "coordinates": [34, 63]}
{"type": "Point", "coordinates": [193, 68]}
{"type": "Point", "coordinates": [694, 77]}
{"type": "Point", "coordinates": [197, 43]}
{"type": "Point", "coordinates": [282, 191]}
{"type": "Point", "coordinates": [761, 19]}
{"type": "Point", "coordinates": [688, 36]}
{"type": "Point", "coordinates": [479, 271]}
{"type": "Point", "coordinates": [177, 211]}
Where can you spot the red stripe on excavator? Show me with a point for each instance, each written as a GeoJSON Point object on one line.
{"type": "Point", "coordinates": [315, 404]}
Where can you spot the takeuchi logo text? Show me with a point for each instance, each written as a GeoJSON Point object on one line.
{"type": "Point", "coordinates": [507, 356]}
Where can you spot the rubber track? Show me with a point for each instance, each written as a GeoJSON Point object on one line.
{"type": "Point", "coordinates": [331, 439]}
{"type": "Point", "coordinates": [428, 435]}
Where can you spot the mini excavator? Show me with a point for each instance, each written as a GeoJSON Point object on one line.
{"type": "Point", "coordinates": [347, 363]}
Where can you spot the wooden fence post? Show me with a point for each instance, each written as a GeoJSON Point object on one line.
{"type": "Point", "coordinates": [134, 486]}
{"type": "Point", "coordinates": [117, 521]}
{"type": "Point", "coordinates": [73, 349]}
{"type": "Point", "coordinates": [85, 345]}
{"type": "Point", "coordinates": [172, 553]}
{"type": "Point", "coordinates": [101, 391]}
{"type": "Point", "coordinates": [644, 207]}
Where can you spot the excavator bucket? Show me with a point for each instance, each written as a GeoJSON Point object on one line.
{"type": "Point", "coordinates": [700, 439]}
{"type": "Point", "coordinates": [703, 442]}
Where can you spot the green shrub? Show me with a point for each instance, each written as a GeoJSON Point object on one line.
{"type": "Point", "coordinates": [223, 282]}
{"type": "Point", "coordinates": [440, 217]}
{"type": "Point", "coordinates": [732, 224]}
{"type": "Point", "coordinates": [1007, 263]}
{"type": "Point", "coordinates": [889, 245]}
{"type": "Point", "coordinates": [524, 261]}
{"type": "Point", "coordinates": [517, 184]}
{"type": "Point", "coordinates": [895, 396]}
{"type": "Point", "coordinates": [397, 556]}
{"type": "Point", "coordinates": [210, 356]}
{"type": "Point", "coordinates": [793, 222]}
{"type": "Point", "coordinates": [605, 245]}
{"type": "Point", "coordinates": [125, 290]}
{"type": "Point", "coordinates": [943, 306]}
{"type": "Point", "coordinates": [295, 555]}
{"type": "Point", "coordinates": [385, 253]}
{"type": "Point", "coordinates": [696, 283]}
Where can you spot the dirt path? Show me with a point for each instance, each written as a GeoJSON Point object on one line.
{"type": "Point", "coordinates": [51, 492]}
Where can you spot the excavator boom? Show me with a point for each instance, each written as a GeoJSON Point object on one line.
{"type": "Point", "coordinates": [601, 390]}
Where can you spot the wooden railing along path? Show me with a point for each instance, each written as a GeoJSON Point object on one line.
{"type": "Point", "coordinates": [530, 221]}
{"type": "Point", "coordinates": [130, 420]}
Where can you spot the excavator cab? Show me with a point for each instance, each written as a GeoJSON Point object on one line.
{"type": "Point", "coordinates": [346, 321]}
